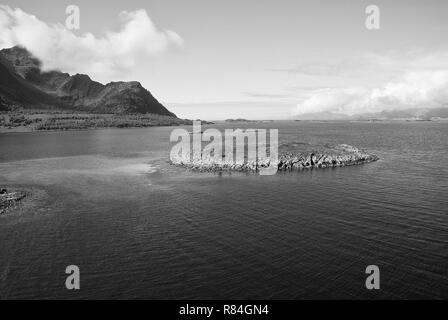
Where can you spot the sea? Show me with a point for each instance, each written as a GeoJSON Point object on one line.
{"type": "Point", "coordinates": [109, 202]}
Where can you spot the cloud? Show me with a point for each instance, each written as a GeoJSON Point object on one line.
{"type": "Point", "coordinates": [313, 69]}
{"type": "Point", "coordinates": [113, 54]}
{"type": "Point", "coordinates": [416, 81]}
{"type": "Point", "coordinates": [267, 95]}
{"type": "Point", "coordinates": [347, 67]}
{"type": "Point", "coordinates": [369, 67]}
{"type": "Point", "coordinates": [257, 110]}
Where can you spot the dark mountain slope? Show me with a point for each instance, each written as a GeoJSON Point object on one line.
{"type": "Point", "coordinates": [14, 90]}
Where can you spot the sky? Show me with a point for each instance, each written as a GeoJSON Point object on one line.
{"type": "Point", "coordinates": [252, 59]}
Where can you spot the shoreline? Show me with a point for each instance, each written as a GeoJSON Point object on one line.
{"type": "Point", "coordinates": [21, 121]}
{"type": "Point", "coordinates": [30, 130]}
{"type": "Point", "coordinates": [61, 121]}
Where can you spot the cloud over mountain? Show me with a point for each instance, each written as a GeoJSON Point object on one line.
{"type": "Point", "coordinates": [61, 49]}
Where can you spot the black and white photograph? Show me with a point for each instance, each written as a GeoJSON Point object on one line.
{"type": "Point", "coordinates": [224, 154]}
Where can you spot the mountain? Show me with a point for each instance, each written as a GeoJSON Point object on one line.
{"type": "Point", "coordinates": [23, 84]}
{"type": "Point", "coordinates": [14, 88]}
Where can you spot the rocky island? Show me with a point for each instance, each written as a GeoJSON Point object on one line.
{"type": "Point", "coordinates": [9, 199]}
{"type": "Point", "coordinates": [292, 157]}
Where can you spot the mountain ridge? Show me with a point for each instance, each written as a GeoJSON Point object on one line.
{"type": "Point", "coordinates": [23, 84]}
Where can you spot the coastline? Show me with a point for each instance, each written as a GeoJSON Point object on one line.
{"type": "Point", "coordinates": [65, 121]}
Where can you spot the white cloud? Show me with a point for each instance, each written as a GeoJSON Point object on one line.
{"type": "Point", "coordinates": [416, 81]}
{"type": "Point", "coordinates": [102, 57]}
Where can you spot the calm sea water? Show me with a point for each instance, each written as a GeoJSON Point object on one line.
{"type": "Point", "coordinates": [137, 227]}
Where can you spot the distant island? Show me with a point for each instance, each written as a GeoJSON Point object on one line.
{"type": "Point", "coordinates": [240, 120]}
{"type": "Point", "coordinates": [32, 99]}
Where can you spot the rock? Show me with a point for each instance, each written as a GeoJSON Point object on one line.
{"type": "Point", "coordinates": [9, 199]}
{"type": "Point", "coordinates": [310, 157]}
